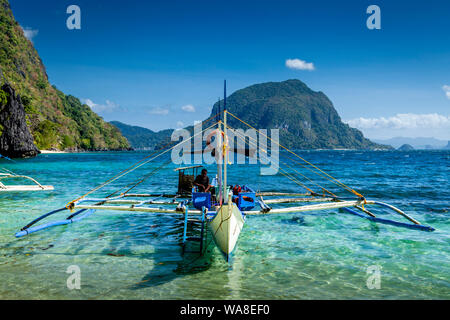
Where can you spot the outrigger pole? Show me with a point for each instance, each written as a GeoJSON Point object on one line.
{"type": "Point", "coordinates": [6, 174]}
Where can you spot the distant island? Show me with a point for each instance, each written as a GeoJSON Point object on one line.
{"type": "Point", "coordinates": [406, 147]}
{"type": "Point", "coordinates": [142, 138]}
{"type": "Point", "coordinates": [306, 119]}
{"type": "Point", "coordinates": [419, 143]}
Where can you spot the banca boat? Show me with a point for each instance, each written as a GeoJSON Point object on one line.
{"type": "Point", "coordinates": [223, 213]}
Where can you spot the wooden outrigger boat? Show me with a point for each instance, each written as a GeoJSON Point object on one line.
{"type": "Point", "coordinates": [223, 213]}
{"type": "Point", "coordinates": [9, 175]}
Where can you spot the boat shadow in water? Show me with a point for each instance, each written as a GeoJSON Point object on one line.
{"type": "Point", "coordinates": [164, 235]}
{"type": "Point", "coordinates": [297, 220]}
{"type": "Point", "coordinates": [179, 261]}
{"type": "Point", "coordinates": [163, 272]}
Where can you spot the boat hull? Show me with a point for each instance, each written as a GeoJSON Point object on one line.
{"type": "Point", "coordinates": [225, 228]}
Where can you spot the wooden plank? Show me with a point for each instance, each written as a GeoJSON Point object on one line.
{"type": "Point", "coordinates": [270, 194]}
{"type": "Point", "coordinates": [293, 200]}
{"type": "Point", "coordinates": [321, 206]}
{"type": "Point", "coordinates": [138, 202]}
{"type": "Point", "coordinates": [10, 188]}
{"type": "Point", "coordinates": [150, 195]}
{"type": "Point", "coordinates": [134, 209]}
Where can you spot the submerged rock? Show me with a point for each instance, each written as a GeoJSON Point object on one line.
{"type": "Point", "coordinates": [16, 140]}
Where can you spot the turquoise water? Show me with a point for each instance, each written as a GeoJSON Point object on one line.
{"type": "Point", "coordinates": [315, 255]}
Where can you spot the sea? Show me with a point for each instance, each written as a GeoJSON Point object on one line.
{"type": "Point", "coordinates": [327, 254]}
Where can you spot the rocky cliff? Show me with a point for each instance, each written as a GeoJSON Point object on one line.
{"type": "Point", "coordinates": [55, 120]}
{"type": "Point", "coordinates": [16, 140]}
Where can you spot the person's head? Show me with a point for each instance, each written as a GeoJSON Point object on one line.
{"type": "Point", "coordinates": [204, 172]}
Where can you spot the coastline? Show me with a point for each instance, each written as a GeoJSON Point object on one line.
{"type": "Point", "coordinates": [52, 151]}
{"type": "Point", "coordinates": [82, 151]}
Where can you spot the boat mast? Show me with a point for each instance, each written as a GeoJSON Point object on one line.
{"type": "Point", "coordinates": [225, 156]}
{"type": "Point", "coordinates": [218, 155]}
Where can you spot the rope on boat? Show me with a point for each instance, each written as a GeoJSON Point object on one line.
{"type": "Point", "coordinates": [135, 166]}
{"type": "Point", "coordinates": [288, 175]}
{"type": "Point", "coordinates": [283, 172]}
{"type": "Point", "coordinates": [296, 155]}
{"type": "Point", "coordinates": [324, 189]}
{"type": "Point", "coordinates": [360, 206]}
{"type": "Point", "coordinates": [140, 181]}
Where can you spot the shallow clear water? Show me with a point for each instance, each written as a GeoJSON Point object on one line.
{"type": "Point", "coordinates": [315, 255]}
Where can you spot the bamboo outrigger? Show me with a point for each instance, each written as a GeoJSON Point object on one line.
{"type": "Point", "coordinates": [9, 175]}
{"type": "Point", "coordinates": [222, 214]}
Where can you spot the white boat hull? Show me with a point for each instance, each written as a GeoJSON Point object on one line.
{"type": "Point", "coordinates": [225, 228]}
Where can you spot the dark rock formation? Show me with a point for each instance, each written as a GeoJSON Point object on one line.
{"type": "Point", "coordinates": [406, 147]}
{"type": "Point", "coordinates": [16, 140]}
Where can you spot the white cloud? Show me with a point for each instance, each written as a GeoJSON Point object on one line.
{"type": "Point", "coordinates": [180, 124]}
{"type": "Point", "coordinates": [29, 33]}
{"type": "Point", "coordinates": [403, 121]}
{"type": "Point", "coordinates": [108, 106]}
{"type": "Point", "coordinates": [188, 108]}
{"type": "Point", "coordinates": [446, 89]}
{"type": "Point", "coordinates": [89, 102]}
{"type": "Point", "coordinates": [298, 64]}
{"type": "Point", "coordinates": [159, 111]}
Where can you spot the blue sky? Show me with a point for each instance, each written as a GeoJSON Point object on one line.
{"type": "Point", "coordinates": [161, 64]}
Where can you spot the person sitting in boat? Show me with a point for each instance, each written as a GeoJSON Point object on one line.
{"type": "Point", "coordinates": [202, 182]}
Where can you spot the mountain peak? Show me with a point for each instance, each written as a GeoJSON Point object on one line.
{"type": "Point", "coordinates": [306, 118]}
